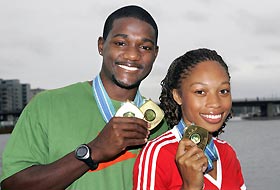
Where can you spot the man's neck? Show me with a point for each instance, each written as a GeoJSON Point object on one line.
{"type": "Point", "coordinates": [117, 93]}
{"type": "Point", "coordinates": [120, 94]}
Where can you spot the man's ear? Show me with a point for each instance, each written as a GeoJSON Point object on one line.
{"type": "Point", "coordinates": [176, 96]}
{"type": "Point", "coordinates": [157, 50]}
{"type": "Point", "coordinates": [100, 44]}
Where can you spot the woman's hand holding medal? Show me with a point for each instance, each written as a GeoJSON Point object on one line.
{"type": "Point", "coordinates": [190, 157]}
{"type": "Point", "coordinates": [192, 163]}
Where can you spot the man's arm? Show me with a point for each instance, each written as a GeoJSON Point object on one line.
{"type": "Point", "coordinates": [50, 176]}
{"type": "Point", "coordinates": [118, 134]}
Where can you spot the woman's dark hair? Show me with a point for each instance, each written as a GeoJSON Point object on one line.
{"type": "Point", "coordinates": [179, 69]}
{"type": "Point", "coordinates": [129, 11]}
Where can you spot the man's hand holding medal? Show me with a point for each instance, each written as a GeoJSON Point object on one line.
{"type": "Point", "coordinates": [149, 111]}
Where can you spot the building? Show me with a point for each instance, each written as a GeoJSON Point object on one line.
{"type": "Point", "coordinates": [11, 99]}
{"type": "Point", "coordinates": [36, 91]}
{"type": "Point", "coordinates": [26, 94]}
{"type": "Point", "coordinates": [14, 96]}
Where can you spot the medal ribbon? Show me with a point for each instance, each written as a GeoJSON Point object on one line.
{"type": "Point", "coordinates": [209, 151]}
{"type": "Point", "coordinates": [104, 102]}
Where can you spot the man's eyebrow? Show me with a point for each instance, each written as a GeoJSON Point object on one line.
{"type": "Point", "coordinates": [120, 35]}
{"type": "Point", "coordinates": [148, 40]}
{"type": "Point", "coordinates": [126, 36]}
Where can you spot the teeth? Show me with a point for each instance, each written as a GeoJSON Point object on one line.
{"type": "Point", "coordinates": [128, 68]}
{"type": "Point", "coordinates": [212, 116]}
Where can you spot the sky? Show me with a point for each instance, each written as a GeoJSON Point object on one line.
{"type": "Point", "coordinates": [51, 44]}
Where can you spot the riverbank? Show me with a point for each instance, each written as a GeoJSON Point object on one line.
{"type": "Point", "coordinates": [6, 130]}
{"type": "Point", "coordinates": [258, 118]}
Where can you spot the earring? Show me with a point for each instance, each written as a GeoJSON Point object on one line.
{"type": "Point", "coordinates": [100, 53]}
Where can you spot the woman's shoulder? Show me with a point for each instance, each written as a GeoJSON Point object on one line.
{"type": "Point", "coordinates": [224, 147]}
{"type": "Point", "coordinates": [166, 140]}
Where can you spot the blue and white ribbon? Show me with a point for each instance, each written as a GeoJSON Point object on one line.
{"type": "Point", "coordinates": [209, 151]}
{"type": "Point", "coordinates": [104, 102]}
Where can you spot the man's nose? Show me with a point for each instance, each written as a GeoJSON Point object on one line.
{"type": "Point", "coordinates": [132, 53]}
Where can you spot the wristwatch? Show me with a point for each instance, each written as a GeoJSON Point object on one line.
{"type": "Point", "coordinates": [83, 153]}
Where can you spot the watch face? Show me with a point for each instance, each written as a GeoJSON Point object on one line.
{"type": "Point", "coordinates": [82, 152]}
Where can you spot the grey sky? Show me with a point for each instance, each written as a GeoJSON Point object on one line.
{"type": "Point", "coordinates": [53, 43]}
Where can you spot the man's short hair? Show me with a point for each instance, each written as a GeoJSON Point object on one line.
{"type": "Point", "coordinates": [129, 11]}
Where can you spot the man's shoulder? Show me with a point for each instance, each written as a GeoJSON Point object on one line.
{"type": "Point", "coordinates": [56, 96]}
{"type": "Point", "coordinates": [63, 91]}
{"type": "Point", "coordinates": [69, 88]}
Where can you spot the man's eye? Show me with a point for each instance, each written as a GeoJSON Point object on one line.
{"type": "Point", "coordinates": [120, 43]}
{"type": "Point", "coordinates": [146, 47]}
{"type": "Point", "coordinates": [225, 91]}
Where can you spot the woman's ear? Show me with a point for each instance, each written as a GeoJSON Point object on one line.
{"type": "Point", "coordinates": [176, 96]}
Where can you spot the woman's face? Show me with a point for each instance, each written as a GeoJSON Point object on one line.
{"type": "Point", "coordinates": [205, 96]}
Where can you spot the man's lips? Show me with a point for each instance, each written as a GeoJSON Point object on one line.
{"type": "Point", "coordinates": [129, 68]}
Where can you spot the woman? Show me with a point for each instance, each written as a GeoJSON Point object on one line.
{"type": "Point", "coordinates": [195, 91]}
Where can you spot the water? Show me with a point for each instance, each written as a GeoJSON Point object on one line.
{"type": "Point", "coordinates": [257, 147]}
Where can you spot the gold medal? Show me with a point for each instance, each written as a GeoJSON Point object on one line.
{"type": "Point", "coordinates": [152, 113]}
{"type": "Point", "coordinates": [198, 135]}
{"type": "Point", "coordinates": [149, 111]}
{"type": "Point", "coordinates": [128, 109]}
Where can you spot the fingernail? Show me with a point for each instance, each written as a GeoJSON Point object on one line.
{"type": "Point", "coordinates": [204, 168]}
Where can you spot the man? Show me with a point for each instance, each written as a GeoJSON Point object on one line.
{"type": "Point", "coordinates": [68, 138]}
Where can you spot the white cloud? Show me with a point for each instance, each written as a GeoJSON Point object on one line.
{"type": "Point", "coordinates": [53, 43]}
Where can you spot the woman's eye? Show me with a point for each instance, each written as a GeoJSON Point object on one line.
{"type": "Point", "coordinates": [200, 92]}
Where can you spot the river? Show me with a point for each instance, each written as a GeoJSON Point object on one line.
{"type": "Point", "coordinates": [256, 144]}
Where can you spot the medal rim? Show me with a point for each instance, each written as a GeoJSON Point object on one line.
{"type": "Point", "coordinates": [203, 134]}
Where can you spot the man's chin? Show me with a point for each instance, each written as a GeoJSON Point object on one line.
{"type": "Point", "coordinates": [126, 85]}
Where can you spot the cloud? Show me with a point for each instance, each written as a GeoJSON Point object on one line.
{"type": "Point", "coordinates": [53, 43]}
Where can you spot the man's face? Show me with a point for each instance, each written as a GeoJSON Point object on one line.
{"type": "Point", "coordinates": [128, 52]}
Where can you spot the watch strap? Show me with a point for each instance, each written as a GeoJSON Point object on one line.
{"type": "Point", "coordinates": [91, 163]}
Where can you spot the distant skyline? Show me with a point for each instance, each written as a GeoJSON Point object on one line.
{"type": "Point", "coordinates": [50, 44]}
